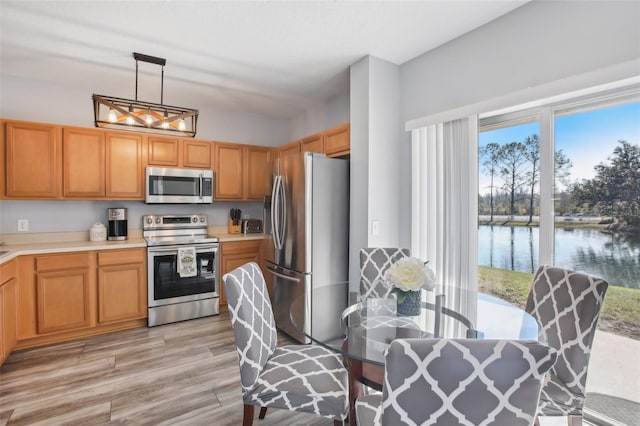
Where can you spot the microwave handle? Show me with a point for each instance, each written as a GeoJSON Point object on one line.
{"type": "Point", "coordinates": [200, 186]}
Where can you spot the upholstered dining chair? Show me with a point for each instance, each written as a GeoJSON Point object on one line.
{"type": "Point", "coordinates": [567, 305]}
{"type": "Point", "coordinates": [458, 382]}
{"type": "Point", "coordinates": [306, 378]}
{"type": "Point", "coordinates": [373, 264]}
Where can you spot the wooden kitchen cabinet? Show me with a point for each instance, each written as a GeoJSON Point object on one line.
{"type": "Point", "coordinates": [65, 292]}
{"type": "Point", "coordinates": [257, 172]}
{"type": "Point", "coordinates": [337, 141]}
{"type": "Point", "coordinates": [288, 149]}
{"type": "Point", "coordinates": [175, 152]}
{"type": "Point", "coordinates": [122, 285]}
{"type": "Point", "coordinates": [8, 308]}
{"type": "Point", "coordinates": [33, 160]}
{"type": "Point", "coordinates": [83, 163]}
{"type": "Point", "coordinates": [125, 165]}
{"type": "Point", "coordinates": [234, 254]}
{"type": "Point", "coordinates": [313, 143]}
{"type": "Point", "coordinates": [242, 171]}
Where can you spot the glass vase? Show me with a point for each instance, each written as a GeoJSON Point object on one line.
{"type": "Point", "coordinates": [408, 303]}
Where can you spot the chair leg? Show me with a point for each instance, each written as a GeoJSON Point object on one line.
{"type": "Point", "coordinates": [247, 416]}
{"type": "Point", "coordinates": [574, 420]}
{"type": "Point", "coordinates": [338, 423]}
{"type": "Point", "coordinates": [263, 412]}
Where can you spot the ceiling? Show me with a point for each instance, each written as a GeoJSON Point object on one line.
{"type": "Point", "coordinates": [265, 57]}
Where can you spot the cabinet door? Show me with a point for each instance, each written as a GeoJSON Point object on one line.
{"type": "Point", "coordinates": [163, 152]}
{"type": "Point", "coordinates": [83, 163]}
{"type": "Point", "coordinates": [229, 175]}
{"type": "Point", "coordinates": [64, 300]}
{"type": "Point", "coordinates": [337, 141]}
{"type": "Point", "coordinates": [258, 173]}
{"type": "Point", "coordinates": [196, 154]}
{"type": "Point", "coordinates": [122, 285]}
{"type": "Point", "coordinates": [288, 149]}
{"type": "Point", "coordinates": [235, 254]}
{"type": "Point", "coordinates": [312, 143]}
{"type": "Point", "coordinates": [8, 314]}
{"type": "Point", "coordinates": [125, 166]}
{"type": "Point", "coordinates": [33, 160]}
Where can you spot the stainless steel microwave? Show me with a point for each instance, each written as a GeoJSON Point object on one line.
{"type": "Point", "coordinates": [178, 186]}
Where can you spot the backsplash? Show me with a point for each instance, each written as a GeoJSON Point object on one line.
{"type": "Point", "coordinates": [73, 216]}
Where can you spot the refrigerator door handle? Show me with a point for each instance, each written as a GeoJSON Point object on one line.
{"type": "Point", "coordinates": [283, 228]}
{"type": "Point", "coordinates": [283, 276]}
{"type": "Point", "coordinates": [275, 212]}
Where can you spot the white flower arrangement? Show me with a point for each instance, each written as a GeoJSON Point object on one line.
{"type": "Point", "coordinates": [410, 274]}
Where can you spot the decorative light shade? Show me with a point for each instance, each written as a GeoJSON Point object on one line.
{"type": "Point", "coordinates": [127, 114]}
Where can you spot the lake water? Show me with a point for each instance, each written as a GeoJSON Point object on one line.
{"type": "Point", "coordinates": [615, 257]}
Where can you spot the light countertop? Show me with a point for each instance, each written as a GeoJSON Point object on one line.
{"type": "Point", "coordinates": [70, 242]}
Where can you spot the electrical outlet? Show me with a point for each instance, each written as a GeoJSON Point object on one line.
{"type": "Point", "coordinates": [245, 216]}
{"type": "Point", "coordinates": [23, 225]}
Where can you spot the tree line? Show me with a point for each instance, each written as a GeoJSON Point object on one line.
{"type": "Point", "coordinates": [513, 170]}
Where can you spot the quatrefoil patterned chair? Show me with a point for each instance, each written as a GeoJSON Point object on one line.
{"type": "Point", "coordinates": [374, 262]}
{"type": "Point", "coordinates": [458, 382]}
{"type": "Point", "coordinates": [567, 304]}
{"type": "Point", "coordinates": [306, 378]}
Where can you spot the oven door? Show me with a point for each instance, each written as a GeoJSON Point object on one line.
{"type": "Point", "coordinates": [167, 287]}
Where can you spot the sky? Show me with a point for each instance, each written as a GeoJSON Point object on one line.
{"type": "Point", "coordinates": [587, 138]}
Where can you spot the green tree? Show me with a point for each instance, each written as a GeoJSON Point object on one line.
{"type": "Point", "coordinates": [490, 155]}
{"type": "Point", "coordinates": [615, 190]}
{"type": "Point", "coordinates": [532, 153]}
{"type": "Point", "coordinates": [511, 161]}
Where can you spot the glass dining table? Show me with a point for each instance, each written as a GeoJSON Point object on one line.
{"type": "Point", "coordinates": [368, 326]}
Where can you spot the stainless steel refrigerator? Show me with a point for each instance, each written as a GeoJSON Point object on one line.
{"type": "Point", "coordinates": [307, 247]}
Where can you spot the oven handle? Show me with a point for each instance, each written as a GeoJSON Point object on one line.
{"type": "Point", "coordinates": [166, 249]}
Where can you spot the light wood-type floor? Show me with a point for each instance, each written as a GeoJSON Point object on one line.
{"type": "Point", "coordinates": [176, 374]}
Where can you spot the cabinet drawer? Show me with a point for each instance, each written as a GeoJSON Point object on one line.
{"type": "Point", "coordinates": [64, 261]}
{"type": "Point", "coordinates": [240, 246]}
{"type": "Point", "coordinates": [7, 271]}
{"type": "Point", "coordinates": [121, 257]}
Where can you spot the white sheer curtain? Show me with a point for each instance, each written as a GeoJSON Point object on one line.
{"type": "Point", "coordinates": [444, 208]}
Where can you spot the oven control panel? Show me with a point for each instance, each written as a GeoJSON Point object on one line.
{"type": "Point", "coordinates": [151, 221]}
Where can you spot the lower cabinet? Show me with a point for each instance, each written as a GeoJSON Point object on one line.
{"type": "Point", "coordinates": [8, 309]}
{"type": "Point", "coordinates": [65, 292]}
{"type": "Point", "coordinates": [122, 285]}
{"type": "Point", "coordinates": [234, 254]}
{"type": "Point", "coordinates": [64, 296]}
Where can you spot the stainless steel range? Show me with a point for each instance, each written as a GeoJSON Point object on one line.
{"type": "Point", "coordinates": [183, 268]}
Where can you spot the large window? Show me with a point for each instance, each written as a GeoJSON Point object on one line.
{"type": "Point", "coordinates": [561, 185]}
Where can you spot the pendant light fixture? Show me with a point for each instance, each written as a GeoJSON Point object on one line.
{"type": "Point", "coordinates": [127, 114]}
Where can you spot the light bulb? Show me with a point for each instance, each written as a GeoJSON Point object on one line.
{"type": "Point", "coordinates": [130, 120]}
{"type": "Point", "coordinates": [181, 125]}
{"type": "Point", "coordinates": [149, 118]}
{"type": "Point", "coordinates": [112, 117]}
{"type": "Point", "coordinates": [165, 125]}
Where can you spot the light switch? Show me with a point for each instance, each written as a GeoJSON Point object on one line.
{"type": "Point", "coordinates": [375, 227]}
{"type": "Point", "coordinates": [23, 225]}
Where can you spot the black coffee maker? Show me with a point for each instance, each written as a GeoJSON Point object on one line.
{"type": "Point", "coordinates": [117, 224]}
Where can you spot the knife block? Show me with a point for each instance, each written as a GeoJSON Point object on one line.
{"type": "Point", "coordinates": [234, 229]}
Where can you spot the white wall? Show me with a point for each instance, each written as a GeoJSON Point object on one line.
{"type": "Point", "coordinates": [330, 114]}
{"type": "Point", "coordinates": [376, 151]}
{"type": "Point", "coordinates": [536, 44]}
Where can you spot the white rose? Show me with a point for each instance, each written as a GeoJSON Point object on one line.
{"type": "Point", "coordinates": [410, 274]}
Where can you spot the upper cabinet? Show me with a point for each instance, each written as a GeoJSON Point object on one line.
{"type": "Point", "coordinates": [313, 143]}
{"type": "Point", "coordinates": [174, 152]}
{"type": "Point", "coordinates": [33, 160]}
{"type": "Point", "coordinates": [124, 166]}
{"type": "Point", "coordinates": [242, 171]}
{"type": "Point", "coordinates": [83, 163]}
{"type": "Point", "coordinates": [337, 141]}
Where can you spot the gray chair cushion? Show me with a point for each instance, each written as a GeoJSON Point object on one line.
{"type": "Point", "coordinates": [463, 381]}
{"type": "Point", "coordinates": [373, 264]}
{"type": "Point", "coordinates": [369, 409]}
{"type": "Point", "coordinates": [567, 304]}
{"type": "Point", "coordinates": [305, 378]}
